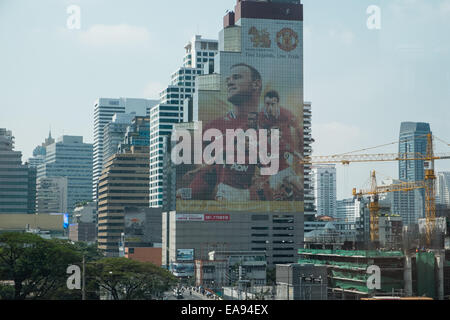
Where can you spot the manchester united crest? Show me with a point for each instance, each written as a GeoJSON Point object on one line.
{"type": "Point", "coordinates": [287, 39]}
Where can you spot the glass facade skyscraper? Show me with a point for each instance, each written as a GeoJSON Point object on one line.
{"type": "Point", "coordinates": [413, 139]}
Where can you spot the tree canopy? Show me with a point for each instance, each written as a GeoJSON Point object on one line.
{"type": "Point", "coordinates": [35, 268]}
{"type": "Point", "coordinates": [126, 279]}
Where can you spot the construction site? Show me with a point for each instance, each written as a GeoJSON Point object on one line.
{"type": "Point", "coordinates": [419, 274]}
{"type": "Point", "coordinates": [414, 262]}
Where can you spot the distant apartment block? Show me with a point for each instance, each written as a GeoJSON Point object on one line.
{"type": "Point", "coordinates": [443, 188]}
{"type": "Point", "coordinates": [310, 209]}
{"type": "Point", "coordinates": [17, 183]}
{"type": "Point", "coordinates": [324, 181]}
{"type": "Point", "coordinates": [348, 210]}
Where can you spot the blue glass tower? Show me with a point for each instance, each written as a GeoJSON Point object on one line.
{"type": "Point", "coordinates": [413, 138]}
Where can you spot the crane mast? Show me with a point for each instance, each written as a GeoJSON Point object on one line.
{"type": "Point", "coordinates": [430, 190]}
{"type": "Point", "coordinates": [429, 183]}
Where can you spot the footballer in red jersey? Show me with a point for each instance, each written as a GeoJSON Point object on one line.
{"type": "Point", "coordinates": [231, 182]}
{"type": "Point", "coordinates": [286, 184]}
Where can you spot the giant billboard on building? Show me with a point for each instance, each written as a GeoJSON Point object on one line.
{"type": "Point", "coordinates": [256, 87]}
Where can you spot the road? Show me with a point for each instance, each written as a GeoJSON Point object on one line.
{"type": "Point", "coordinates": [186, 296]}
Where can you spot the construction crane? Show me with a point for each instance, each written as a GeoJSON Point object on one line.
{"type": "Point", "coordinates": [375, 191]}
{"type": "Point", "coordinates": [429, 181]}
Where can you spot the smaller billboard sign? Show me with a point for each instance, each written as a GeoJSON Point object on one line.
{"type": "Point", "coordinates": [202, 217]}
{"type": "Point", "coordinates": [66, 221]}
{"type": "Point", "coordinates": [185, 254]}
{"type": "Point", "coordinates": [189, 217]}
{"type": "Point", "coordinates": [182, 269]}
{"type": "Point", "coordinates": [217, 217]}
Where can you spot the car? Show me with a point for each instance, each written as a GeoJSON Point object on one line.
{"type": "Point", "coordinates": [180, 296]}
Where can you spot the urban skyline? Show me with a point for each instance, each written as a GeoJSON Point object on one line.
{"type": "Point", "coordinates": [161, 201]}
{"type": "Point", "coordinates": [367, 68]}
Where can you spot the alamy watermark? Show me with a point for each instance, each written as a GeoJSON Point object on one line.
{"type": "Point", "coordinates": [374, 280]}
{"type": "Point", "coordinates": [74, 18]}
{"type": "Point", "coordinates": [232, 147]}
{"type": "Point", "coordinates": [374, 19]}
{"type": "Point", "coordinates": [74, 280]}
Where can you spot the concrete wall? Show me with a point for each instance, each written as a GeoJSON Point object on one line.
{"type": "Point", "coordinates": [83, 232]}
{"type": "Point", "coordinates": [242, 232]}
{"type": "Point", "coordinates": [146, 254]}
{"type": "Point", "coordinates": [40, 221]}
{"type": "Point", "coordinates": [292, 285]}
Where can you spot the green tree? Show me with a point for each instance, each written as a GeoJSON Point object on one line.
{"type": "Point", "coordinates": [126, 279]}
{"type": "Point", "coordinates": [90, 251]}
{"type": "Point", "coordinates": [6, 292]}
{"type": "Point", "coordinates": [36, 266]}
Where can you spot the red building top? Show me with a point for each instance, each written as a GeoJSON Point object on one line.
{"type": "Point", "coordinates": [274, 10]}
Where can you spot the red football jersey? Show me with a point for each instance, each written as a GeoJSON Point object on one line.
{"type": "Point", "coordinates": [234, 175]}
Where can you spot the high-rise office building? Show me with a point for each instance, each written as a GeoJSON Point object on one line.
{"type": "Point", "coordinates": [310, 222]}
{"type": "Point", "coordinates": [70, 157]}
{"type": "Point", "coordinates": [16, 182]}
{"type": "Point", "coordinates": [124, 183]}
{"type": "Point", "coordinates": [104, 110]}
{"type": "Point", "coordinates": [32, 181]}
{"type": "Point", "coordinates": [324, 181]}
{"type": "Point", "coordinates": [413, 139]}
{"type": "Point", "coordinates": [255, 82]}
{"type": "Point", "coordinates": [199, 54]}
{"type": "Point", "coordinates": [443, 188]}
{"type": "Point", "coordinates": [51, 195]}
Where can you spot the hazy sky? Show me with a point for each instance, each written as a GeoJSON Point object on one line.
{"type": "Point", "coordinates": [362, 82]}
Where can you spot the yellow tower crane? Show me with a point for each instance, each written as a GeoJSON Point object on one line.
{"type": "Point", "coordinates": [430, 177]}
{"type": "Point", "coordinates": [375, 191]}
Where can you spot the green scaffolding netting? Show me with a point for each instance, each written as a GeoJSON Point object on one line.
{"type": "Point", "coordinates": [350, 275]}
{"type": "Point", "coordinates": [343, 265]}
{"type": "Point", "coordinates": [351, 253]}
{"type": "Point", "coordinates": [425, 274]}
{"type": "Point", "coordinates": [349, 286]}
{"type": "Point", "coordinates": [355, 281]}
